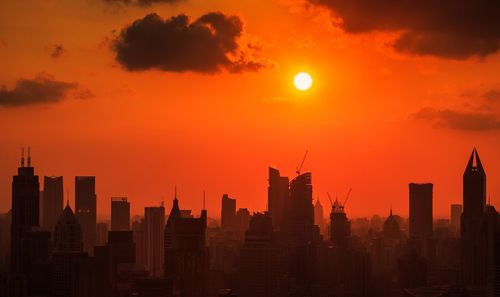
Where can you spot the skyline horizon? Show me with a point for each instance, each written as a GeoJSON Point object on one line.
{"type": "Point", "coordinates": [214, 207]}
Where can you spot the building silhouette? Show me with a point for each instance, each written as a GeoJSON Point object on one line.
{"type": "Point", "coordinates": [420, 211]}
{"type": "Point", "coordinates": [154, 228]}
{"type": "Point", "coordinates": [71, 270]}
{"type": "Point", "coordinates": [319, 218]}
{"type": "Point", "coordinates": [186, 256]}
{"type": "Point", "coordinates": [53, 199]}
{"type": "Point", "coordinates": [340, 227]}
{"type": "Point", "coordinates": [228, 213]}
{"type": "Point", "coordinates": [258, 263]}
{"type": "Point", "coordinates": [479, 225]}
{"type": "Point", "coordinates": [102, 229]}
{"type": "Point", "coordinates": [86, 209]}
{"type": "Point", "coordinates": [277, 196]}
{"type": "Point", "coordinates": [120, 214]}
{"type": "Point", "coordinates": [456, 213]}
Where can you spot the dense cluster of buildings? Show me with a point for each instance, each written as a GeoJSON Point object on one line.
{"type": "Point", "coordinates": [288, 250]}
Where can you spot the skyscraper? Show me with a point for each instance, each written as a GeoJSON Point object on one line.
{"type": "Point", "coordinates": [186, 256]}
{"type": "Point", "coordinates": [67, 232]}
{"type": "Point", "coordinates": [86, 209]}
{"type": "Point", "coordinates": [228, 213]}
{"type": "Point", "coordinates": [277, 195]}
{"type": "Point", "coordinates": [154, 228]}
{"type": "Point", "coordinates": [420, 211]}
{"type": "Point", "coordinates": [456, 213]}
{"type": "Point", "coordinates": [25, 213]}
{"type": "Point", "coordinates": [340, 227]}
{"type": "Point", "coordinates": [477, 229]}
{"type": "Point", "coordinates": [319, 218]}
{"type": "Point", "coordinates": [120, 214]}
{"type": "Point", "coordinates": [53, 199]}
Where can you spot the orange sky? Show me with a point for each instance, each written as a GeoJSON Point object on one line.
{"type": "Point", "coordinates": [142, 132]}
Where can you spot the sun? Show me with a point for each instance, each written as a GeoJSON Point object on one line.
{"type": "Point", "coordinates": [302, 81]}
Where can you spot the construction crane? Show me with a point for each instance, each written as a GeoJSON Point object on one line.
{"type": "Point", "coordinates": [330, 198]}
{"type": "Point", "coordinates": [347, 197]}
{"type": "Point", "coordinates": [299, 168]}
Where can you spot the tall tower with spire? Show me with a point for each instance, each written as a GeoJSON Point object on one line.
{"type": "Point", "coordinates": [477, 229]}
{"type": "Point", "coordinates": [25, 212]}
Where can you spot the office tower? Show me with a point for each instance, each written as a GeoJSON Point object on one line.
{"type": "Point", "coordinates": [102, 233]}
{"type": "Point", "coordinates": [297, 233]}
{"type": "Point", "coordinates": [456, 213]}
{"type": "Point", "coordinates": [412, 270]}
{"type": "Point", "coordinates": [140, 242]}
{"type": "Point", "coordinates": [242, 222]}
{"type": "Point", "coordinates": [67, 232]}
{"type": "Point", "coordinates": [53, 197]}
{"type": "Point", "coordinates": [477, 230]}
{"type": "Point", "coordinates": [86, 209]}
{"type": "Point", "coordinates": [186, 256]}
{"type": "Point", "coordinates": [340, 227]}
{"type": "Point", "coordinates": [25, 214]}
{"type": "Point", "coordinates": [154, 228]}
{"type": "Point", "coordinates": [277, 195]}
{"type": "Point", "coordinates": [120, 214]}
{"type": "Point", "coordinates": [71, 269]}
{"type": "Point", "coordinates": [258, 261]}
{"type": "Point", "coordinates": [420, 211]}
{"type": "Point", "coordinates": [228, 212]}
{"type": "Point", "coordinates": [391, 229]}
{"type": "Point", "coordinates": [319, 218]}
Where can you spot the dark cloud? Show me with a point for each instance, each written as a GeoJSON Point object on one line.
{"type": "Point", "coordinates": [57, 51]}
{"type": "Point", "coordinates": [459, 120]}
{"type": "Point", "coordinates": [455, 29]}
{"type": "Point", "coordinates": [492, 95]}
{"type": "Point", "coordinates": [43, 89]}
{"type": "Point", "coordinates": [140, 2]}
{"type": "Point", "coordinates": [207, 45]}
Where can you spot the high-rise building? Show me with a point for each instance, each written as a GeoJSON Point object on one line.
{"type": "Point", "coordinates": [477, 231]}
{"type": "Point", "coordinates": [258, 261]}
{"type": "Point", "coordinates": [154, 228]}
{"type": "Point", "coordinates": [456, 213]}
{"type": "Point", "coordinates": [25, 214]}
{"type": "Point", "coordinates": [340, 227]}
{"type": "Point", "coordinates": [53, 199]}
{"type": "Point", "coordinates": [277, 195]}
{"type": "Point", "coordinates": [319, 218]}
{"type": "Point", "coordinates": [67, 233]}
{"type": "Point", "coordinates": [102, 229]}
{"type": "Point", "coordinates": [120, 214]}
{"type": "Point", "coordinates": [420, 211]}
{"type": "Point", "coordinates": [86, 209]}
{"type": "Point", "coordinates": [186, 255]}
{"type": "Point", "coordinates": [228, 212]}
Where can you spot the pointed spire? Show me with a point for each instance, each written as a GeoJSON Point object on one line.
{"type": "Point", "coordinates": [204, 199]}
{"type": "Point", "coordinates": [390, 212]}
{"type": "Point", "coordinates": [474, 163]}
{"type": "Point", "coordinates": [175, 192]}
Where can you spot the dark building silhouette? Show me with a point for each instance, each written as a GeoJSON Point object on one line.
{"type": "Point", "coordinates": [479, 224]}
{"type": "Point", "coordinates": [25, 214]}
{"type": "Point", "coordinates": [420, 211]}
{"type": "Point", "coordinates": [340, 227]}
{"type": "Point", "coordinates": [71, 270]}
{"type": "Point", "coordinates": [86, 209]}
{"type": "Point", "coordinates": [53, 199]}
{"type": "Point", "coordinates": [319, 218]}
{"type": "Point", "coordinates": [186, 256]}
{"type": "Point", "coordinates": [456, 213]}
{"type": "Point", "coordinates": [258, 263]}
{"type": "Point", "coordinates": [102, 233]}
{"type": "Point", "coordinates": [228, 213]}
{"type": "Point", "coordinates": [120, 214]}
{"type": "Point", "coordinates": [277, 196]}
{"type": "Point", "coordinates": [154, 228]}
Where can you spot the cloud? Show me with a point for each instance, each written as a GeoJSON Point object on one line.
{"type": "Point", "coordinates": [140, 2]}
{"type": "Point", "coordinates": [57, 51]}
{"type": "Point", "coordinates": [454, 29]}
{"type": "Point", "coordinates": [43, 89]}
{"type": "Point", "coordinates": [207, 45]}
{"type": "Point", "coordinates": [458, 120]}
{"type": "Point", "coordinates": [492, 95]}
